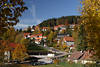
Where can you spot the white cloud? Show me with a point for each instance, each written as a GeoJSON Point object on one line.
{"type": "Point", "coordinates": [33, 11]}
{"type": "Point", "coordinates": [29, 21]}
{"type": "Point", "coordinates": [34, 21]}
{"type": "Point", "coordinates": [18, 26]}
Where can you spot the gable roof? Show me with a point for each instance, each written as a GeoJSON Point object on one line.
{"type": "Point", "coordinates": [87, 55]}
{"type": "Point", "coordinates": [58, 26]}
{"type": "Point", "coordinates": [67, 38]}
{"type": "Point", "coordinates": [76, 55]}
{"type": "Point", "coordinates": [45, 27]}
{"type": "Point", "coordinates": [25, 34]}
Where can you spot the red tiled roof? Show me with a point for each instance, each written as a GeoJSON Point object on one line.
{"type": "Point", "coordinates": [32, 36]}
{"type": "Point", "coordinates": [45, 27]}
{"type": "Point", "coordinates": [13, 45]}
{"type": "Point", "coordinates": [26, 34]}
{"type": "Point", "coordinates": [57, 26]}
{"type": "Point", "coordinates": [61, 25]}
{"type": "Point", "coordinates": [35, 35]}
{"type": "Point", "coordinates": [44, 36]}
{"type": "Point", "coordinates": [68, 38]}
{"type": "Point", "coordinates": [87, 55]}
{"type": "Point", "coordinates": [39, 38]}
{"type": "Point", "coordinates": [39, 35]}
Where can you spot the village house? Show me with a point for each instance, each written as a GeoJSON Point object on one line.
{"type": "Point", "coordinates": [27, 35]}
{"type": "Point", "coordinates": [45, 28]}
{"type": "Point", "coordinates": [7, 53]}
{"type": "Point", "coordinates": [62, 35]}
{"type": "Point", "coordinates": [86, 58]}
{"type": "Point", "coordinates": [62, 28]}
{"type": "Point", "coordinates": [38, 38]}
{"type": "Point", "coordinates": [58, 27]}
{"type": "Point", "coordinates": [68, 40]}
{"type": "Point", "coordinates": [75, 56]}
{"type": "Point", "coordinates": [71, 26]}
{"type": "Point", "coordinates": [82, 57]}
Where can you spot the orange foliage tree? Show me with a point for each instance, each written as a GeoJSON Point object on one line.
{"type": "Point", "coordinates": [19, 53]}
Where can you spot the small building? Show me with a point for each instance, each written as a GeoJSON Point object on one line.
{"type": "Point", "coordinates": [75, 56]}
{"type": "Point", "coordinates": [27, 35]}
{"type": "Point", "coordinates": [62, 35]}
{"type": "Point", "coordinates": [68, 40]}
{"type": "Point", "coordinates": [45, 28]}
{"type": "Point", "coordinates": [38, 38]}
{"type": "Point", "coordinates": [58, 27]}
{"type": "Point", "coordinates": [82, 57]}
{"type": "Point", "coordinates": [71, 26]}
{"type": "Point", "coordinates": [8, 52]}
{"type": "Point", "coordinates": [86, 58]}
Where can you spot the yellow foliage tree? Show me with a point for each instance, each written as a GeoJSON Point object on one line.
{"type": "Point", "coordinates": [3, 48]}
{"type": "Point", "coordinates": [91, 21]}
{"type": "Point", "coordinates": [51, 36]}
{"type": "Point", "coordinates": [19, 53]}
{"type": "Point", "coordinates": [64, 46]}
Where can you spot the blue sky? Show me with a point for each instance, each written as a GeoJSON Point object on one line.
{"type": "Point", "coordinates": [39, 10]}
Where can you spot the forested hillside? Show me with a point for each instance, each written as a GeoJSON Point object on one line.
{"type": "Point", "coordinates": [62, 20]}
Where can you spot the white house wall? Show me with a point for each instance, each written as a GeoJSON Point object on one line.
{"type": "Point", "coordinates": [70, 43]}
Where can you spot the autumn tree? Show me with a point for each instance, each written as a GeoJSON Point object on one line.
{"type": "Point", "coordinates": [24, 41]}
{"type": "Point", "coordinates": [80, 38]}
{"type": "Point", "coordinates": [51, 36]}
{"type": "Point", "coordinates": [4, 48]}
{"type": "Point", "coordinates": [91, 19]}
{"type": "Point", "coordinates": [62, 32]}
{"type": "Point", "coordinates": [19, 53]}
{"type": "Point", "coordinates": [10, 35]}
{"type": "Point", "coordinates": [29, 29]}
{"type": "Point", "coordinates": [10, 11]}
{"type": "Point", "coordinates": [64, 46]}
{"type": "Point", "coordinates": [1, 51]}
{"type": "Point", "coordinates": [18, 38]}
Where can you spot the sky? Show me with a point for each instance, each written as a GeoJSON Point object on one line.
{"type": "Point", "coordinates": [40, 10]}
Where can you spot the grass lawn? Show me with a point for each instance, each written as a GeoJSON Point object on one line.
{"type": "Point", "coordinates": [62, 64]}
{"type": "Point", "coordinates": [66, 64]}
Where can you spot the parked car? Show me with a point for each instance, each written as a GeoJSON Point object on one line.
{"type": "Point", "coordinates": [35, 63]}
{"type": "Point", "coordinates": [38, 63]}
{"type": "Point", "coordinates": [42, 63]}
